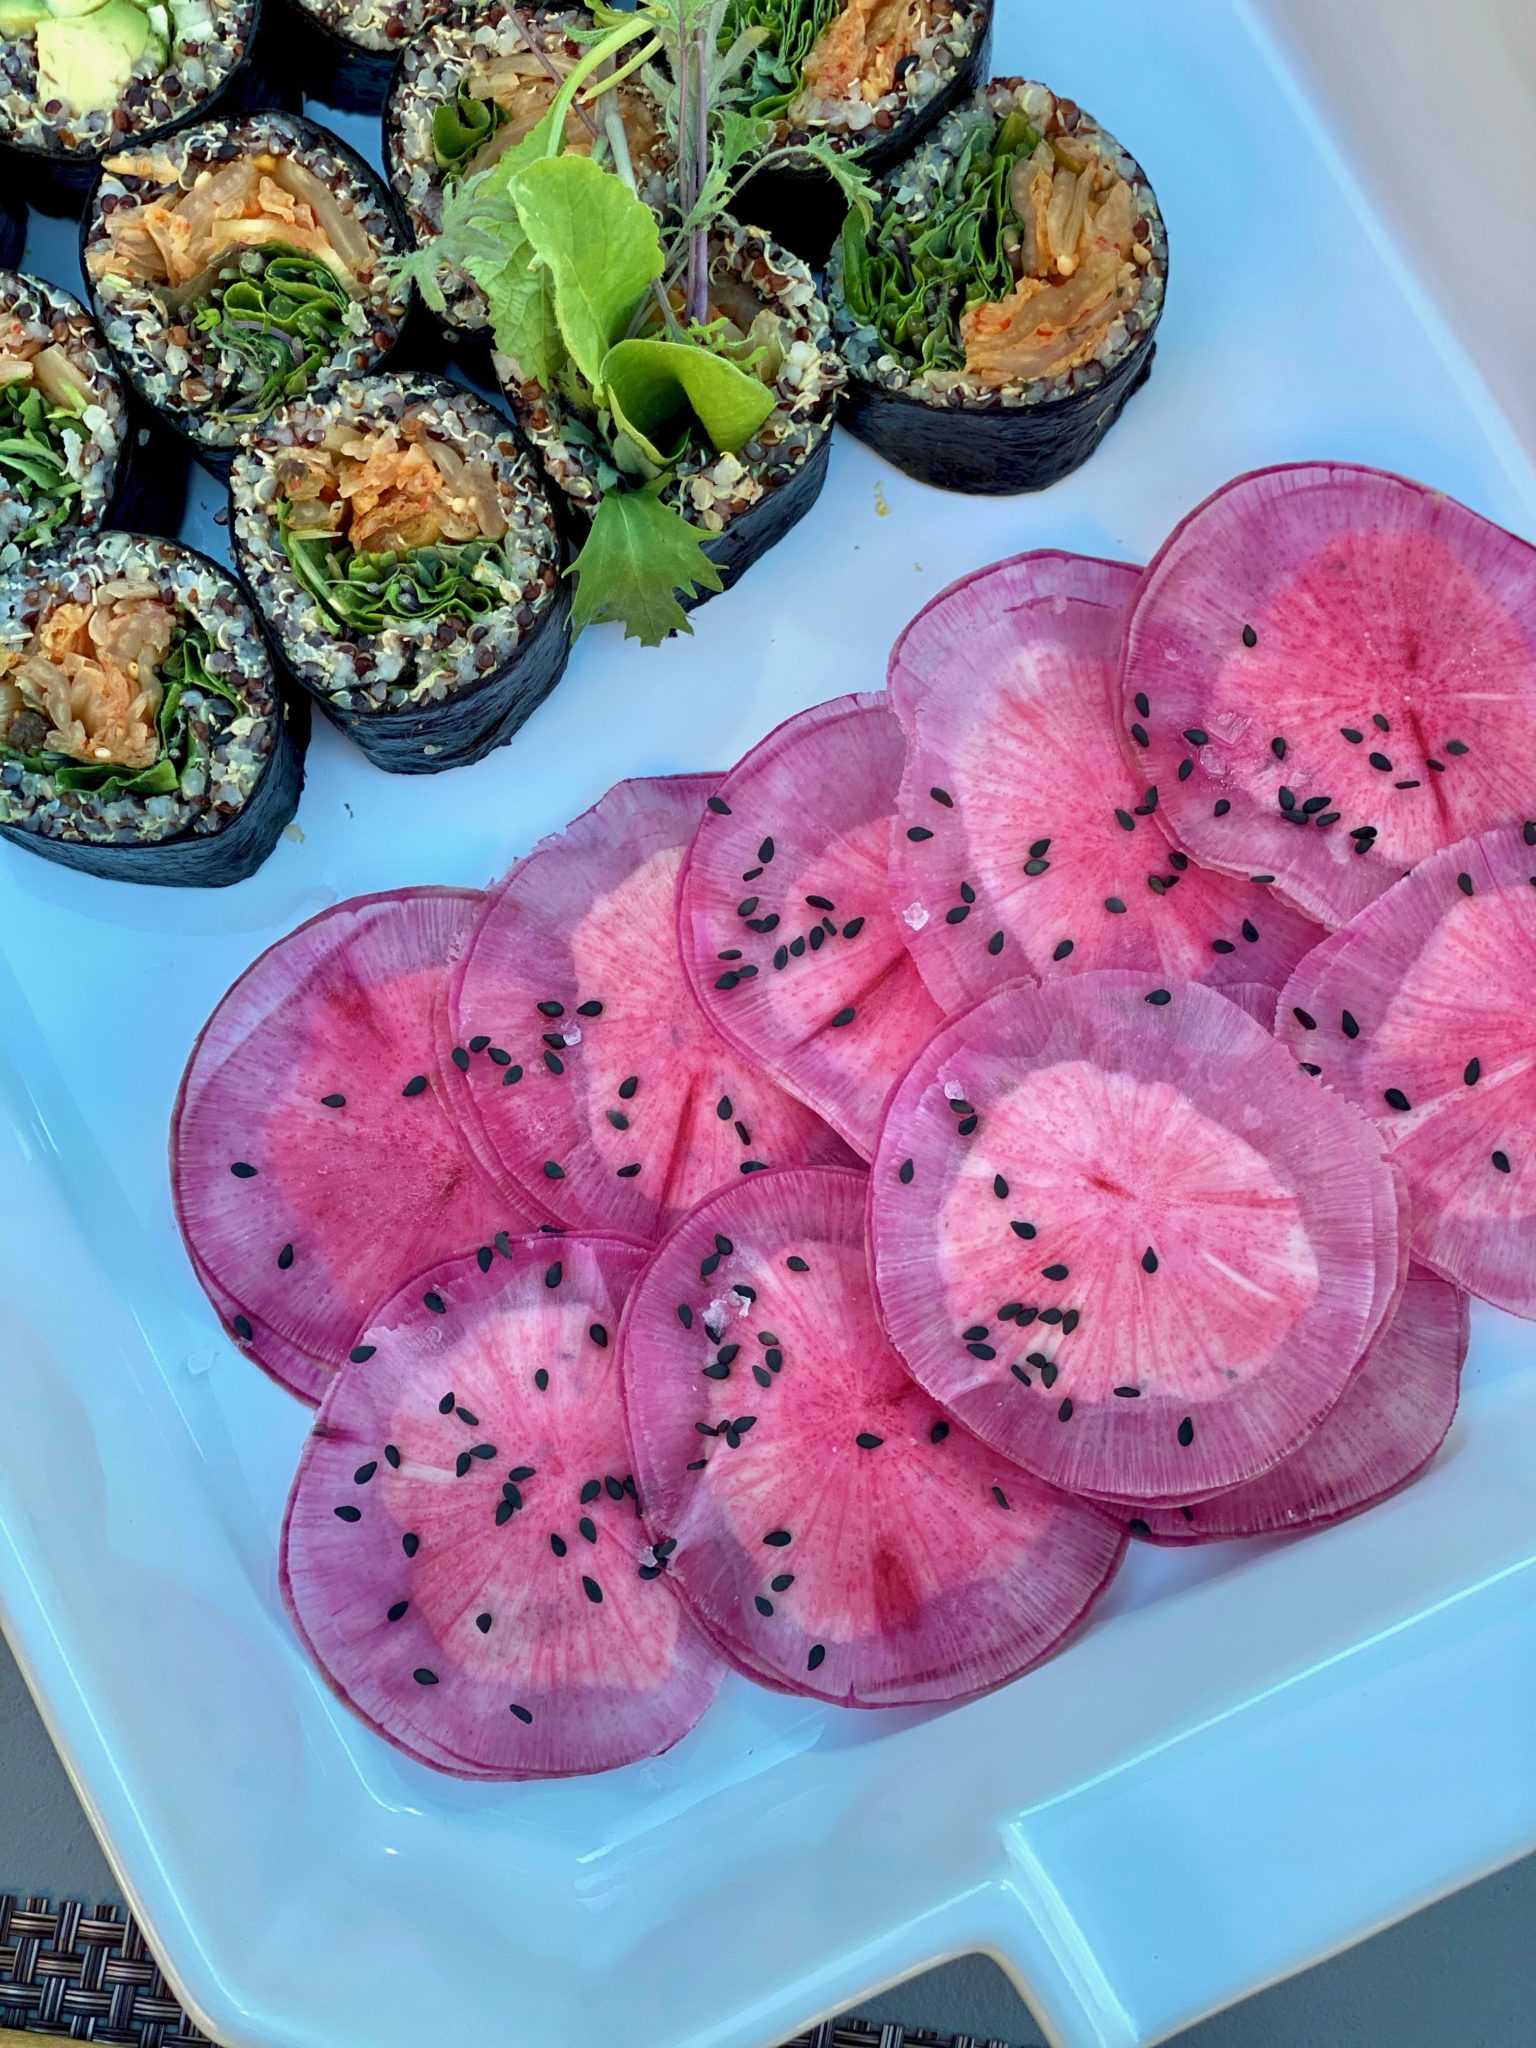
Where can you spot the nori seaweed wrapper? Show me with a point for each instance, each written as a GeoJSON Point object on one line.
{"type": "Point", "coordinates": [964, 435]}
{"type": "Point", "coordinates": [13, 224]}
{"type": "Point", "coordinates": [415, 700]}
{"type": "Point", "coordinates": [58, 182]}
{"type": "Point", "coordinates": [336, 70]}
{"type": "Point", "coordinates": [803, 208]}
{"type": "Point", "coordinates": [207, 838]}
{"type": "Point", "coordinates": [996, 452]}
{"type": "Point", "coordinates": [743, 502]}
{"type": "Point", "coordinates": [128, 314]}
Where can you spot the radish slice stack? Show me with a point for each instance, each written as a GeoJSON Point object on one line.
{"type": "Point", "coordinates": [1163, 940]}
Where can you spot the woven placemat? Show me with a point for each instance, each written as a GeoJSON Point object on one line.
{"type": "Point", "coordinates": [86, 1974]}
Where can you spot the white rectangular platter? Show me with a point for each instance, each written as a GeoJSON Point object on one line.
{"type": "Point", "coordinates": [1252, 1757]}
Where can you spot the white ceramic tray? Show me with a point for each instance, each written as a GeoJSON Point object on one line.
{"type": "Point", "coordinates": [1254, 1755]}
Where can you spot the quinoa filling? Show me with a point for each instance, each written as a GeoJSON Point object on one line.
{"type": "Point", "coordinates": [1015, 261]}
{"type": "Point", "coordinates": [261, 271]}
{"type": "Point", "coordinates": [44, 434]}
{"type": "Point", "coordinates": [388, 525]}
{"type": "Point", "coordinates": [95, 700]}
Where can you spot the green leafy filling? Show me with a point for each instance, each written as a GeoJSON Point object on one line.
{"type": "Point", "coordinates": [461, 127]}
{"type": "Point", "coordinates": [282, 318]}
{"type": "Point", "coordinates": [789, 31]}
{"type": "Point", "coordinates": [32, 459]}
{"type": "Point", "coordinates": [184, 669]}
{"type": "Point", "coordinates": [366, 593]}
{"type": "Point", "coordinates": [912, 280]}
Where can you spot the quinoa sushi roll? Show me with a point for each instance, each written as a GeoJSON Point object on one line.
{"type": "Point", "coordinates": [237, 264]}
{"type": "Point", "coordinates": [871, 76]}
{"type": "Point", "coordinates": [81, 77]}
{"type": "Point", "coordinates": [745, 501]}
{"type": "Point", "coordinates": [402, 549]}
{"type": "Point", "coordinates": [469, 87]}
{"type": "Point", "coordinates": [1001, 309]}
{"type": "Point", "coordinates": [142, 736]}
{"type": "Point", "coordinates": [74, 451]}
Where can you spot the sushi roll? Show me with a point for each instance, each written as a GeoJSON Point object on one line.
{"type": "Point", "coordinates": [81, 77]}
{"type": "Point", "coordinates": [470, 86]}
{"type": "Point", "coordinates": [746, 501]}
{"type": "Point", "coordinates": [402, 550]}
{"type": "Point", "coordinates": [235, 265]}
{"type": "Point", "coordinates": [74, 451]}
{"type": "Point", "coordinates": [871, 76]}
{"type": "Point", "coordinates": [142, 736]}
{"type": "Point", "coordinates": [1001, 309]}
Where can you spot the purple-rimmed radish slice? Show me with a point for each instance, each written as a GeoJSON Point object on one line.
{"type": "Point", "coordinates": [1420, 1011]}
{"type": "Point", "coordinates": [788, 872]}
{"type": "Point", "coordinates": [591, 1082]}
{"type": "Point", "coordinates": [1330, 674]}
{"type": "Point", "coordinates": [1041, 584]}
{"type": "Point", "coordinates": [312, 1162]}
{"type": "Point", "coordinates": [1116, 1231]}
{"type": "Point", "coordinates": [835, 1533]}
{"type": "Point", "coordinates": [1023, 844]}
{"type": "Point", "coordinates": [1386, 1426]}
{"type": "Point", "coordinates": [462, 1552]}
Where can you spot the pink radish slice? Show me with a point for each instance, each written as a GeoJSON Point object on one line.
{"type": "Point", "coordinates": [1386, 1426]}
{"type": "Point", "coordinates": [1115, 1233]}
{"type": "Point", "coordinates": [1042, 585]}
{"type": "Point", "coordinates": [312, 1162]}
{"type": "Point", "coordinates": [1330, 674]}
{"type": "Point", "coordinates": [788, 872]}
{"type": "Point", "coordinates": [1420, 1010]}
{"type": "Point", "coordinates": [1024, 845]}
{"type": "Point", "coordinates": [462, 1552]}
{"type": "Point", "coordinates": [591, 1082]}
{"type": "Point", "coordinates": [836, 1534]}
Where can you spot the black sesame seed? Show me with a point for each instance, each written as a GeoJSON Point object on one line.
{"type": "Point", "coordinates": [243, 1170]}
{"type": "Point", "coordinates": [814, 1661]}
{"type": "Point", "coordinates": [423, 1676]}
{"type": "Point", "coordinates": [904, 1172]}
{"type": "Point", "coordinates": [1114, 905]}
{"type": "Point", "coordinates": [868, 1441]}
{"type": "Point", "coordinates": [435, 1303]}
{"type": "Point", "coordinates": [777, 1538]}
{"type": "Point", "coordinates": [1064, 1412]}
{"type": "Point", "coordinates": [1057, 1272]}
{"type": "Point", "coordinates": [1128, 1393]}
{"type": "Point", "coordinates": [1464, 884]}
{"type": "Point", "coordinates": [398, 1611]}
{"type": "Point", "coordinates": [1149, 1260]}
{"type": "Point", "coordinates": [1062, 950]}
{"type": "Point", "coordinates": [942, 796]}
{"type": "Point", "coordinates": [1024, 1230]}
{"type": "Point", "coordinates": [242, 1328]}
{"type": "Point", "coordinates": [348, 1514]}
{"type": "Point", "coordinates": [1186, 769]}
{"type": "Point", "coordinates": [845, 1016]}
{"type": "Point", "coordinates": [553, 1170]}
{"type": "Point", "coordinates": [483, 1258]}
{"type": "Point", "coordinates": [1396, 1099]}
{"type": "Point", "coordinates": [939, 1431]}
{"type": "Point", "coordinates": [592, 1589]}
{"type": "Point", "coordinates": [918, 833]}
{"type": "Point", "coordinates": [1250, 638]}
{"type": "Point", "coordinates": [553, 1274]}
{"type": "Point", "coordinates": [1472, 1073]}
{"type": "Point", "coordinates": [1304, 1018]}
{"type": "Point", "coordinates": [627, 1087]}
{"type": "Point", "coordinates": [460, 1059]}
{"type": "Point", "coordinates": [1348, 1025]}
{"type": "Point", "coordinates": [1501, 1161]}
{"type": "Point", "coordinates": [541, 1378]}
{"type": "Point", "coordinates": [797, 1265]}
{"type": "Point", "coordinates": [333, 1101]}
{"type": "Point", "coordinates": [415, 1086]}
{"type": "Point", "coordinates": [410, 1543]}
{"type": "Point", "coordinates": [1159, 997]}
{"type": "Point", "coordinates": [1277, 748]}
{"type": "Point", "coordinates": [1223, 805]}
{"type": "Point", "coordinates": [853, 927]}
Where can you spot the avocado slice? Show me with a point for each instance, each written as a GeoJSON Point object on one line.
{"type": "Point", "coordinates": [66, 10]}
{"type": "Point", "coordinates": [19, 17]}
{"type": "Point", "coordinates": [88, 60]}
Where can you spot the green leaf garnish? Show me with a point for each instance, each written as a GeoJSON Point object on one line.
{"type": "Point", "coordinates": [638, 557]}
{"type": "Point", "coordinates": [600, 244]}
{"type": "Point", "coordinates": [366, 593]}
{"type": "Point", "coordinates": [461, 127]}
{"type": "Point", "coordinates": [32, 451]}
{"type": "Point", "coordinates": [278, 320]}
{"type": "Point", "coordinates": [656, 383]}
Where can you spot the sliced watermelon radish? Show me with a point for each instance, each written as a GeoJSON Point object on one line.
{"type": "Point", "coordinates": [1042, 584]}
{"type": "Point", "coordinates": [835, 1533]}
{"type": "Point", "coordinates": [1023, 843]}
{"type": "Point", "coordinates": [312, 1162]}
{"type": "Point", "coordinates": [1115, 1232]}
{"type": "Point", "coordinates": [1420, 1010]}
{"type": "Point", "coordinates": [788, 872]}
{"type": "Point", "coordinates": [1386, 1426]}
{"type": "Point", "coordinates": [462, 1551]}
{"type": "Point", "coordinates": [1330, 673]}
{"type": "Point", "coordinates": [589, 1080]}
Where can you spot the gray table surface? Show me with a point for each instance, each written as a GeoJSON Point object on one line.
{"type": "Point", "coordinates": [1461, 1975]}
